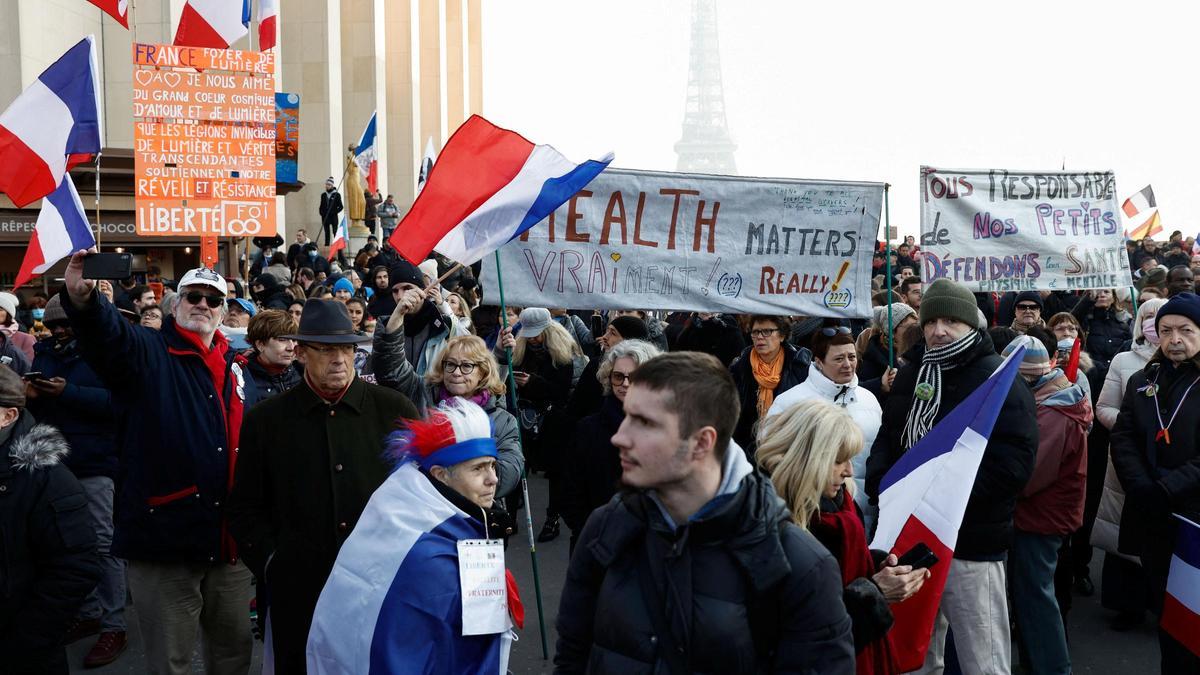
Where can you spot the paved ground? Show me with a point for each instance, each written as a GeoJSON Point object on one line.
{"type": "Point", "coordinates": [1095, 648]}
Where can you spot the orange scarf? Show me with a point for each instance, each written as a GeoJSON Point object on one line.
{"type": "Point", "coordinates": [767, 375]}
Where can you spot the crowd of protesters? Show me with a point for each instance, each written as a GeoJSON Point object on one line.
{"type": "Point", "coordinates": [719, 475]}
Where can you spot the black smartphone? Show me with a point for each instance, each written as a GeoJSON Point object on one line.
{"type": "Point", "coordinates": [920, 557]}
{"type": "Point", "coordinates": [34, 375]}
{"type": "Point", "coordinates": [108, 266]}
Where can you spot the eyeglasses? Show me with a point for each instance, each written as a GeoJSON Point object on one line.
{"type": "Point", "coordinates": [763, 332]}
{"type": "Point", "coordinates": [1028, 308]}
{"type": "Point", "coordinates": [618, 378]}
{"type": "Point", "coordinates": [328, 349]}
{"type": "Point", "coordinates": [835, 330]}
{"type": "Point", "coordinates": [466, 367]}
{"type": "Point", "coordinates": [196, 297]}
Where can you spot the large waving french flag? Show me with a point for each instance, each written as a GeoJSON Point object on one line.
{"type": "Point", "coordinates": [489, 185]}
{"type": "Point", "coordinates": [61, 229]}
{"type": "Point", "coordinates": [388, 606]}
{"type": "Point", "coordinates": [52, 126]}
{"type": "Point", "coordinates": [213, 23]}
{"type": "Point", "coordinates": [1181, 604]}
{"type": "Point", "coordinates": [923, 498]}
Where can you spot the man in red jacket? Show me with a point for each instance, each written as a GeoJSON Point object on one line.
{"type": "Point", "coordinates": [1050, 507]}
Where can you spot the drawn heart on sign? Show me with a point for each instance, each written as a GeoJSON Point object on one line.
{"type": "Point", "coordinates": [171, 79]}
{"type": "Point", "coordinates": [144, 77]}
{"type": "Point", "coordinates": [616, 257]}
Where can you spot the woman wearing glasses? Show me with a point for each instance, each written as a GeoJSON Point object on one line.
{"type": "Point", "coordinates": [833, 379]}
{"type": "Point", "coordinates": [466, 369]}
{"type": "Point", "coordinates": [765, 369]}
{"type": "Point", "coordinates": [593, 467]}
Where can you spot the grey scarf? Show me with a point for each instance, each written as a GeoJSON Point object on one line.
{"type": "Point", "coordinates": [929, 382]}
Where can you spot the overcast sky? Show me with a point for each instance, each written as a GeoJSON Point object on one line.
{"type": "Point", "coordinates": [867, 90]}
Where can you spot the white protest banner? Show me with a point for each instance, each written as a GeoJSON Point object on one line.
{"type": "Point", "coordinates": [673, 241]}
{"type": "Point", "coordinates": [998, 230]}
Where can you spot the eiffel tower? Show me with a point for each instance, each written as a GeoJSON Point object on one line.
{"type": "Point", "coordinates": [706, 146]}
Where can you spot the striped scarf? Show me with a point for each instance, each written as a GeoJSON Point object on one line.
{"type": "Point", "coordinates": [923, 411]}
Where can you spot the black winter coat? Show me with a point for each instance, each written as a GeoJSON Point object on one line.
{"type": "Point", "coordinates": [593, 467]}
{"type": "Point", "coordinates": [1158, 477]}
{"type": "Point", "coordinates": [306, 471]}
{"type": "Point", "coordinates": [740, 589]}
{"type": "Point", "coordinates": [84, 412]}
{"type": "Point", "coordinates": [874, 362]}
{"type": "Point", "coordinates": [330, 207]}
{"type": "Point", "coordinates": [48, 561]}
{"type": "Point", "coordinates": [795, 370]}
{"type": "Point", "coordinates": [987, 526]}
{"type": "Point", "coordinates": [719, 336]}
{"type": "Point", "coordinates": [1105, 332]}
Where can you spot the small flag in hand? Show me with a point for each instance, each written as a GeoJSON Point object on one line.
{"type": "Point", "coordinates": [1181, 604]}
{"type": "Point", "coordinates": [61, 230]}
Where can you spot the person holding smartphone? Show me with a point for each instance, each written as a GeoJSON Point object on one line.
{"type": "Point", "coordinates": [807, 450]}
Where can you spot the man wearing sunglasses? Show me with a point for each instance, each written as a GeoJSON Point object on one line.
{"type": "Point", "coordinates": [1028, 308]}
{"type": "Point", "coordinates": [176, 469]}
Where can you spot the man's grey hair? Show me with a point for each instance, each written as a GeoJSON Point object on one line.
{"type": "Point", "coordinates": [638, 350]}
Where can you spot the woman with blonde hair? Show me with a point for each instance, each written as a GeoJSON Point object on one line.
{"type": "Point", "coordinates": [807, 451]}
{"type": "Point", "coordinates": [464, 368]}
{"type": "Point", "coordinates": [543, 355]}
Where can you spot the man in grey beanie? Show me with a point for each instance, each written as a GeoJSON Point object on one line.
{"type": "Point", "coordinates": [956, 358]}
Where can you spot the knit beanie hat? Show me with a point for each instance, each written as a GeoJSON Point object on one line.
{"type": "Point", "coordinates": [1036, 361]}
{"type": "Point", "coordinates": [630, 327]}
{"type": "Point", "coordinates": [343, 284]}
{"type": "Point", "coordinates": [8, 303]}
{"type": "Point", "coordinates": [1184, 304]}
{"type": "Point", "coordinates": [1030, 296]}
{"type": "Point", "coordinates": [945, 299]}
{"type": "Point", "coordinates": [54, 310]}
{"type": "Point", "coordinates": [403, 271]}
{"type": "Point", "coordinates": [900, 312]}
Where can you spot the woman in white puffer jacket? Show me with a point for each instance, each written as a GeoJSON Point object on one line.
{"type": "Point", "coordinates": [1122, 586]}
{"type": "Point", "coordinates": [832, 378]}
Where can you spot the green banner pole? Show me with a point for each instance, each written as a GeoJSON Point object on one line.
{"type": "Point", "coordinates": [512, 383]}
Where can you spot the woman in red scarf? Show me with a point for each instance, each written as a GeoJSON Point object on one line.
{"type": "Point", "coordinates": [807, 451]}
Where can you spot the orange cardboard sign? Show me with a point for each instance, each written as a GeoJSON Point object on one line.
{"type": "Point", "coordinates": [208, 251]}
{"type": "Point", "coordinates": [204, 142]}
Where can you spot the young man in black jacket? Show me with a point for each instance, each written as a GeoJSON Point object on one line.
{"type": "Point", "coordinates": [955, 359]}
{"type": "Point", "coordinates": [696, 534]}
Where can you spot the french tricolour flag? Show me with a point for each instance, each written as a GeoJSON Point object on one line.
{"type": "Point", "coordinates": [213, 23]}
{"type": "Point", "coordinates": [1140, 201]}
{"type": "Point", "coordinates": [341, 240]}
{"type": "Point", "coordinates": [366, 155]}
{"type": "Point", "coordinates": [61, 230]}
{"type": "Point", "coordinates": [1181, 605]}
{"type": "Point", "coordinates": [489, 185]}
{"type": "Point", "coordinates": [52, 126]}
{"type": "Point", "coordinates": [117, 9]}
{"type": "Point", "coordinates": [385, 607]}
{"type": "Point", "coordinates": [923, 498]}
{"type": "Point", "coordinates": [268, 17]}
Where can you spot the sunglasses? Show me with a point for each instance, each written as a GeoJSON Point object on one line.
{"type": "Point", "coordinates": [1028, 308]}
{"type": "Point", "coordinates": [196, 297]}
{"type": "Point", "coordinates": [835, 330]}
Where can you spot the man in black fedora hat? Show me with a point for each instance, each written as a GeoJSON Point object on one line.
{"type": "Point", "coordinates": [310, 459]}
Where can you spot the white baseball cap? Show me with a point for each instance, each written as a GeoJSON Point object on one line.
{"type": "Point", "coordinates": [202, 276]}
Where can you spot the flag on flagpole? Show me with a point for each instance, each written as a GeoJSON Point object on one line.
{"type": "Point", "coordinates": [490, 185]}
{"type": "Point", "coordinates": [341, 240]}
{"type": "Point", "coordinates": [1181, 604]}
{"type": "Point", "coordinates": [366, 155]}
{"type": "Point", "coordinates": [117, 9]}
{"type": "Point", "coordinates": [268, 16]}
{"type": "Point", "coordinates": [61, 229]}
{"type": "Point", "coordinates": [426, 164]}
{"type": "Point", "coordinates": [213, 23]}
{"type": "Point", "coordinates": [1140, 201]}
{"type": "Point", "coordinates": [52, 126]}
{"type": "Point", "coordinates": [1151, 227]}
{"type": "Point", "coordinates": [923, 497]}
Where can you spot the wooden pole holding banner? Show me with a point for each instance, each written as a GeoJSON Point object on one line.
{"type": "Point", "coordinates": [452, 270]}
{"type": "Point", "coordinates": [512, 383]}
{"type": "Point", "coordinates": [887, 236]}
